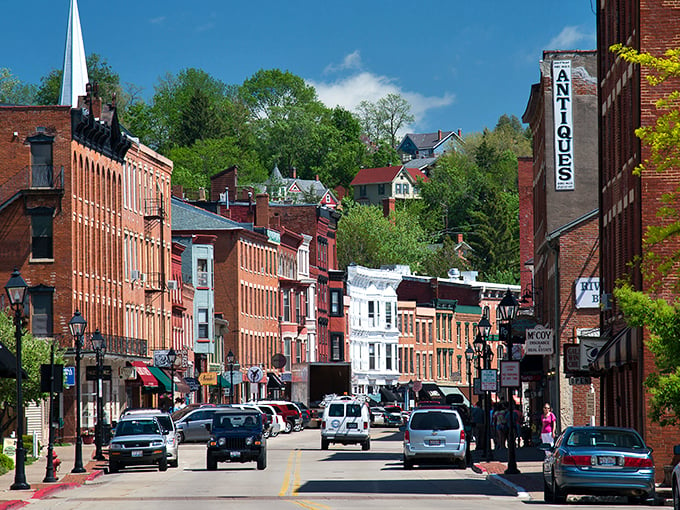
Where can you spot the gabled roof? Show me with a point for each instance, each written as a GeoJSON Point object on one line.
{"type": "Point", "coordinates": [385, 175]}
{"type": "Point", "coordinates": [295, 185]}
{"type": "Point", "coordinates": [189, 217]}
{"type": "Point", "coordinates": [427, 140]}
{"type": "Point", "coordinates": [420, 163]}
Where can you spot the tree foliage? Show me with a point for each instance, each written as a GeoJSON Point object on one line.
{"type": "Point", "coordinates": [660, 262]}
{"type": "Point", "coordinates": [13, 90]}
{"type": "Point", "coordinates": [34, 352]}
{"type": "Point", "coordinates": [382, 120]}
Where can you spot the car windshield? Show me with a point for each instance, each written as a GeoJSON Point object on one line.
{"type": "Point", "coordinates": [605, 439]}
{"type": "Point", "coordinates": [236, 421]}
{"type": "Point", "coordinates": [137, 428]}
{"type": "Point", "coordinates": [434, 421]}
{"type": "Point", "coordinates": [392, 409]}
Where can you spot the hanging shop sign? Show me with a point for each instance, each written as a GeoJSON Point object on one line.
{"type": "Point", "coordinates": [563, 123]}
{"type": "Point", "coordinates": [539, 340]}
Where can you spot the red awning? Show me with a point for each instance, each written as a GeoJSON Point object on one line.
{"type": "Point", "coordinates": [144, 374]}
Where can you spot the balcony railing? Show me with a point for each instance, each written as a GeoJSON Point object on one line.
{"type": "Point", "coordinates": [119, 345]}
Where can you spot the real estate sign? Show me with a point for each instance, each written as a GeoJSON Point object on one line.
{"type": "Point", "coordinates": [539, 340]}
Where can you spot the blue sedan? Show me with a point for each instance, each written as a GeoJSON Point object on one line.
{"type": "Point", "coordinates": [602, 461]}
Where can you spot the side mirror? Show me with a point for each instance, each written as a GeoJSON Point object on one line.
{"type": "Point", "coordinates": [207, 426]}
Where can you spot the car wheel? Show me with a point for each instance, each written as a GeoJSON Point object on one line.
{"type": "Point", "coordinates": [114, 467]}
{"type": "Point", "coordinates": [289, 427]}
{"type": "Point", "coordinates": [180, 437]}
{"type": "Point", "coordinates": [676, 496]}
{"type": "Point", "coordinates": [547, 492]}
{"type": "Point", "coordinates": [559, 496]}
{"type": "Point", "coordinates": [297, 428]}
{"type": "Point", "coordinates": [274, 434]}
{"type": "Point", "coordinates": [408, 464]}
{"type": "Point", "coordinates": [163, 464]}
{"type": "Point", "coordinates": [366, 445]}
{"type": "Point", "coordinates": [324, 444]}
{"type": "Point", "coordinates": [211, 463]}
{"type": "Point", "coordinates": [266, 433]}
{"type": "Point", "coordinates": [174, 463]}
{"type": "Point", "coordinates": [262, 461]}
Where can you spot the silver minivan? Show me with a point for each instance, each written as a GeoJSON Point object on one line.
{"type": "Point", "coordinates": [434, 435]}
{"type": "Point", "coordinates": [168, 428]}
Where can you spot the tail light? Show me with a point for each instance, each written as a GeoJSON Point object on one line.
{"type": "Point", "coordinates": [407, 436]}
{"type": "Point", "coordinates": [577, 460]}
{"type": "Point", "coordinates": [638, 462]}
{"type": "Point", "coordinates": [365, 425]}
{"type": "Point", "coordinates": [462, 436]}
{"type": "Point", "coordinates": [323, 424]}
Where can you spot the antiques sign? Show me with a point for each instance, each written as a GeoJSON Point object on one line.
{"type": "Point", "coordinates": [564, 129]}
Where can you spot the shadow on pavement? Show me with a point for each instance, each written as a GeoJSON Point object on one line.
{"type": "Point", "coordinates": [403, 486]}
{"type": "Point", "coordinates": [361, 455]}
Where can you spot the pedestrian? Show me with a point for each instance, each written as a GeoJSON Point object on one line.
{"type": "Point", "coordinates": [478, 426]}
{"type": "Point", "coordinates": [500, 419]}
{"type": "Point", "coordinates": [548, 422]}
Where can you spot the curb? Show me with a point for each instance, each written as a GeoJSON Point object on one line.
{"type": "Point", "coordinates": [95, 474]}
{"type": "Point", "coordinates": [47, 491]}
{"type": "Point", "coordinates": [520, 492]}
{"type": "Point", "coordinates": [12, 504]}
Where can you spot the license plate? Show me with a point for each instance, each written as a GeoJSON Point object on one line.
{"type": "Point", "coordinates": [606, 461]}
{"type": "Point", "coordinates": [136, 453]}
{"type": "Point", "coordinates": [235, 455]}
{"type": "Point", "coordinates": [435, 442]}
{"type": "Point", "coordinates": [351, 425]}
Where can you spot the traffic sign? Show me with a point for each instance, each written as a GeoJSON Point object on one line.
{"type": "Point", "coordinates": [278, 360]}
{"type": "Point", "coordinates": [255, 374]}
{"type": "Point", "coordinates": [70, 376]}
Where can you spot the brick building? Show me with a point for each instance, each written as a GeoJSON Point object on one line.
{"type": "Point", "coordinates": [629, 204]}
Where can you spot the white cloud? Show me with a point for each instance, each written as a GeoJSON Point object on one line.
{"type": "Point", "coordinates": [351, 61]}
{"type": "Point", "coordinates": [158, 20]}
{"type": "Point", "coordinates": [348, 92]}
{"type": "Point", "coordinates": [570, 38]}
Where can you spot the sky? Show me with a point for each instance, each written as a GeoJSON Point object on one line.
{"type": "Point", "coordinates": [460, 65]}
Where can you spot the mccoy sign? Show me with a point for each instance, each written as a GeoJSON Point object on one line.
{"type": "Point", "coordinates": [539, 341]}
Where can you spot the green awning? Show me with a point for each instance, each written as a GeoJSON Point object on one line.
{"type": "Point", "coordinates": [162, 377]}
{"type": "Point", "coordinates": [223, 381]}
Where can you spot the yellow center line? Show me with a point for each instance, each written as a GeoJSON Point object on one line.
{"type": "Point", "coordinates": [286, 474]}
{"type": "Point", "coordinates": [296, 472]}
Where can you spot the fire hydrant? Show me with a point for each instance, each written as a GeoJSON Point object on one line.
{"type": "Point", "coordinates": [56, 461]}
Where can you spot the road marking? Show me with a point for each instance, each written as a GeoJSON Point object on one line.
{"type": "Point", "coordinates": [291, 476]}
{"type": "Point", "coordinates": [296, 472]}
{"type": "Point", "coordinates": [309, 505]}
{"type": "Point", "coordinates": [286, 474]}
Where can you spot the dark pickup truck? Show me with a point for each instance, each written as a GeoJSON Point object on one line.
{"type": "Point", "coordinates": [236, 435]}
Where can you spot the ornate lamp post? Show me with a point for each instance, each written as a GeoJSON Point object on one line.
{"type": "Point", "coordinates": [230, 360]}
{"type": "Point", "coordinates": [484, 351]}
{"type": "Point", "coordinates": [469, 357]}
{"type": "Point", "coordinates": [49, 472]}
{"type": "Point", "coordinates": [77, 325]}
{"type": "Point", "coordinates": [508, 310]}
{"type": "Point", "coordinates": [172, 357]}
{"type": "Point", "coordinates": [16, 289]}
{"type": "Point", "coordinates": [99, 345]}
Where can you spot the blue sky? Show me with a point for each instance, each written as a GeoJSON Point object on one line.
{"type": "Point", "coordinates": [461, 65]}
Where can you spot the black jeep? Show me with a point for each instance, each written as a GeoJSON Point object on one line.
{"type": "Point", "coordinates": [236, 435]}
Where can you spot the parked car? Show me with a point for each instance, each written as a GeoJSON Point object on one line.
{"type": "Point", "coordinates": [434, 435]}
{"type": "Point", "coordinates": [181, 413]}
{"type": "Point", "coordinates": [598, 461]}
{"type": "Point", "coordinates": [192, 426]}
{"type": "Point", "coordinates": [346, 421]}
{"type": "Point", "coordinates": [290, 412]}
{"type": "Point", "coordinates": [393, 416]}
{"type": "Point", "coordinates": [236, 435]}
{"type": "Point", "coordinates": [168, 428]}
{"type": "Point", "coordinates": [377, 414]}
{"type": "Point", "coordinates": [305, 412]}
{"type": "Point", "coordinates": [267, 419]}
{"type": "Point", "coordinates": [278, 422]}
{"type": "Point", "coordinates": [137, 440]}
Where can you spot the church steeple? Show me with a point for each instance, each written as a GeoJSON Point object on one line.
{"type": "Point", "coordinates": [74, 77]}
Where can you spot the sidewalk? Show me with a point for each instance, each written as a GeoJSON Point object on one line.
{"type": "Point", "coordinates": [35, 473]}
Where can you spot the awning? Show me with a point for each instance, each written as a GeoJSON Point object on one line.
{"type": "Point", "coordinates": [616, 352]}
{"type": "Point", "coordinates": [144, 374]}
{"type": "Point", "coordinates": [162, 378]}
{"type": "Point", "coordinates": [274, 382]}
{"type": "Point", "coordinates": [8, 364]}
{"type": "Point", "coordinates": [388, 395]}
{"type": "Point", "coordinates": [180, 385]}
{"type": "Point", "coordinates": [223, 381]}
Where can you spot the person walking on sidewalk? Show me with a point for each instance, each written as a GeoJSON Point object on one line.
{"type": "Point", "coordinates": [548, 423]}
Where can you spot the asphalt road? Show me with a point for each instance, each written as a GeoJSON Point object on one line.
{"type": "Point", "coordinates": [299, 475]}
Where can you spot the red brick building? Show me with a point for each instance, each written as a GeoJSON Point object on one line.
{"type": "Point", "coordinates": [629, 204]}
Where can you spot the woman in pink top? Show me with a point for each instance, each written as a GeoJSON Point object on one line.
{"type": "Point", "coordinates": [548, 421]}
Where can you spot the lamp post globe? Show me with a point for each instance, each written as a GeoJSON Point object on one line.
{"type": "Point", "coordinates": [16, 289]}
{"type": "Point", "coordinates": [77, 325]}
{"type": "Point", "coordinates": [507, 310]}
{"type": "Point", "coordinates": [99, 345]}
{"type": "Point", "coordinates": [172, 357]}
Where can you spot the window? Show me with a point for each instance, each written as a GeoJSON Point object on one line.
{"type": "Point", "coordinates": [371, 356]}
{"type": "Point", "coordinates": [362, 190]}
{"type": "Point", "coordinates": [41, 236]}
{"type": "Point", "coordinates": [337, 347]}
{"type": "Point", "coordinates": [202, 275]}
{"type": "Point", "coordinates": [404, 189]}
{"type": "Point", "coordinates": [397, 189]}
{"type": "Point", "coordinates": [41, 161]}
{"type": "Point", "coordinates": [202, 323]}
{"type": "Point", "coordinates": [286, 306]}
{"type": "Point", "coordinates": [42, 316]}
{"type": "Point", "coordinates": [336, 303]}
{"type": "Point", "coordinates": [371, 313]}
{"type": "Point", "coordinates": [388, 315]}
{"type": "Point", "coordinates": [388, 357]}
{"type": "Point", "coordinates": [381, 189]}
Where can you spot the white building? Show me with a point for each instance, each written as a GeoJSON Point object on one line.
{"type": "Point", "coordinates": [373, 331]}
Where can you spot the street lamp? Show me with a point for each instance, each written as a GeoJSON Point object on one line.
{"type": "Point", "coordinates": [172, 357]}
{"type": "Point", "coordinates": [16, 292]}
{"type": "Point", "coordinates": [469, 356]}
{"type": "Point", "coordinates": [99, 345]}
{"type": "Point", "coordinates": [77, 325]}
{"type": "Point", "coordinates": [484, 352]}
{"type": "Point", "coordinates": [230, 360]}
{"type": "Point", "coordinates": [508, 309]}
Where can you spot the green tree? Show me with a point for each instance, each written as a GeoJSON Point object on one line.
{"type": "Point", "coordinates": [659, 317]}
{"type": "Point", "coordinates": [272, 92]}
{"type": "Point", "coordinates": [383, 119]}
{"type": "Point", "coordinates": [34, 352]}
{"type": "Point", "coordinates": [13, 90]}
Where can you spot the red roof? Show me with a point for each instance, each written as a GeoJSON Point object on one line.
{"type": "Point", "coordinates": [384, 174]}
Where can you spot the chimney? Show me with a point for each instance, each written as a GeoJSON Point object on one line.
{"type": "Point", "coordinates": [460, 133]}
{"type": "Point", "coordinates": [388, 206]}
{"type": "Point", "coordinates": [460, 238]}
{"type": "Point", "coordinates": [262, 210]}
{"type": "Point", "coordinates": [439, 134]}
{"type": "Point", "coordinates": [317, 177]}
{"type": "Point", "coordinates": [177, 190]}
{"type": "Point", "coordinates": [225, 180]}
{"type": "Point", "coordinates": [294, 173]}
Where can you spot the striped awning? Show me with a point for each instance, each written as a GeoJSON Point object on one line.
{"type": "Point", "coordinates": [616, 352]}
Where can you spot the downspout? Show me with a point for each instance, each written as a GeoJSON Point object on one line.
{"type": "Point", "coordinates": [554, 247]}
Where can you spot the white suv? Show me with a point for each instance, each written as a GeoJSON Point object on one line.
{"type": "Point", "coordinates": [346, 421]}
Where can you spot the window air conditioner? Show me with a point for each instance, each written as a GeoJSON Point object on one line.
{"type": "Point", "coordinates": [172, 285]}
{"type": "Point", "coordinates": [135, 274]}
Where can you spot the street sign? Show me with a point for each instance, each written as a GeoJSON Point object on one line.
{"type": "Point", "coordinates": [70, 376]}
{"type": "Point", "coordinates": [235, 375]}
{"type": "Point", "coordinates": [255, 374]}
{"type": "Point", "coordinates": [510, 374]}
{"type": "Point", "coordinates": [278, 360]}
{"type": "Point", "coordinates": [489, 380]}
{"type": "Point", "coordinates": [91, 373]}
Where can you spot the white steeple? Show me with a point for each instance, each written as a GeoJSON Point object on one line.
{"type": "Point", "coordinates": [75, 77]}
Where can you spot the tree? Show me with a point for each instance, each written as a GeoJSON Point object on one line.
{"type": "Point", "coordinates": [367, 238]}
{"type": "Point", "coordinates": [12, 90]}
{"type": "Point", "coordinates": [383, 119]}
{"type": "Point", "coordinates": [660, 243]}
{"type": "Point", "coordinates": [34, 352]}
{"type": "Point", "coordinates": [273, 91]}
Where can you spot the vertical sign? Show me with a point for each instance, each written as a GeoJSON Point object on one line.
{"type": "Point", "coordinates": [564, 127]}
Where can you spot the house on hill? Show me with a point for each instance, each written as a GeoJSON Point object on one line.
{"type": "Point", "coordinates": [428, 145]}
{"type": "Point", "coordinates": [373, 185]}
{"type": "Point", "coordinates": [292, 190]}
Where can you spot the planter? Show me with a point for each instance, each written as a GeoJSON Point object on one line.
{"type": "Point", "coordinates": [88, 439]}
